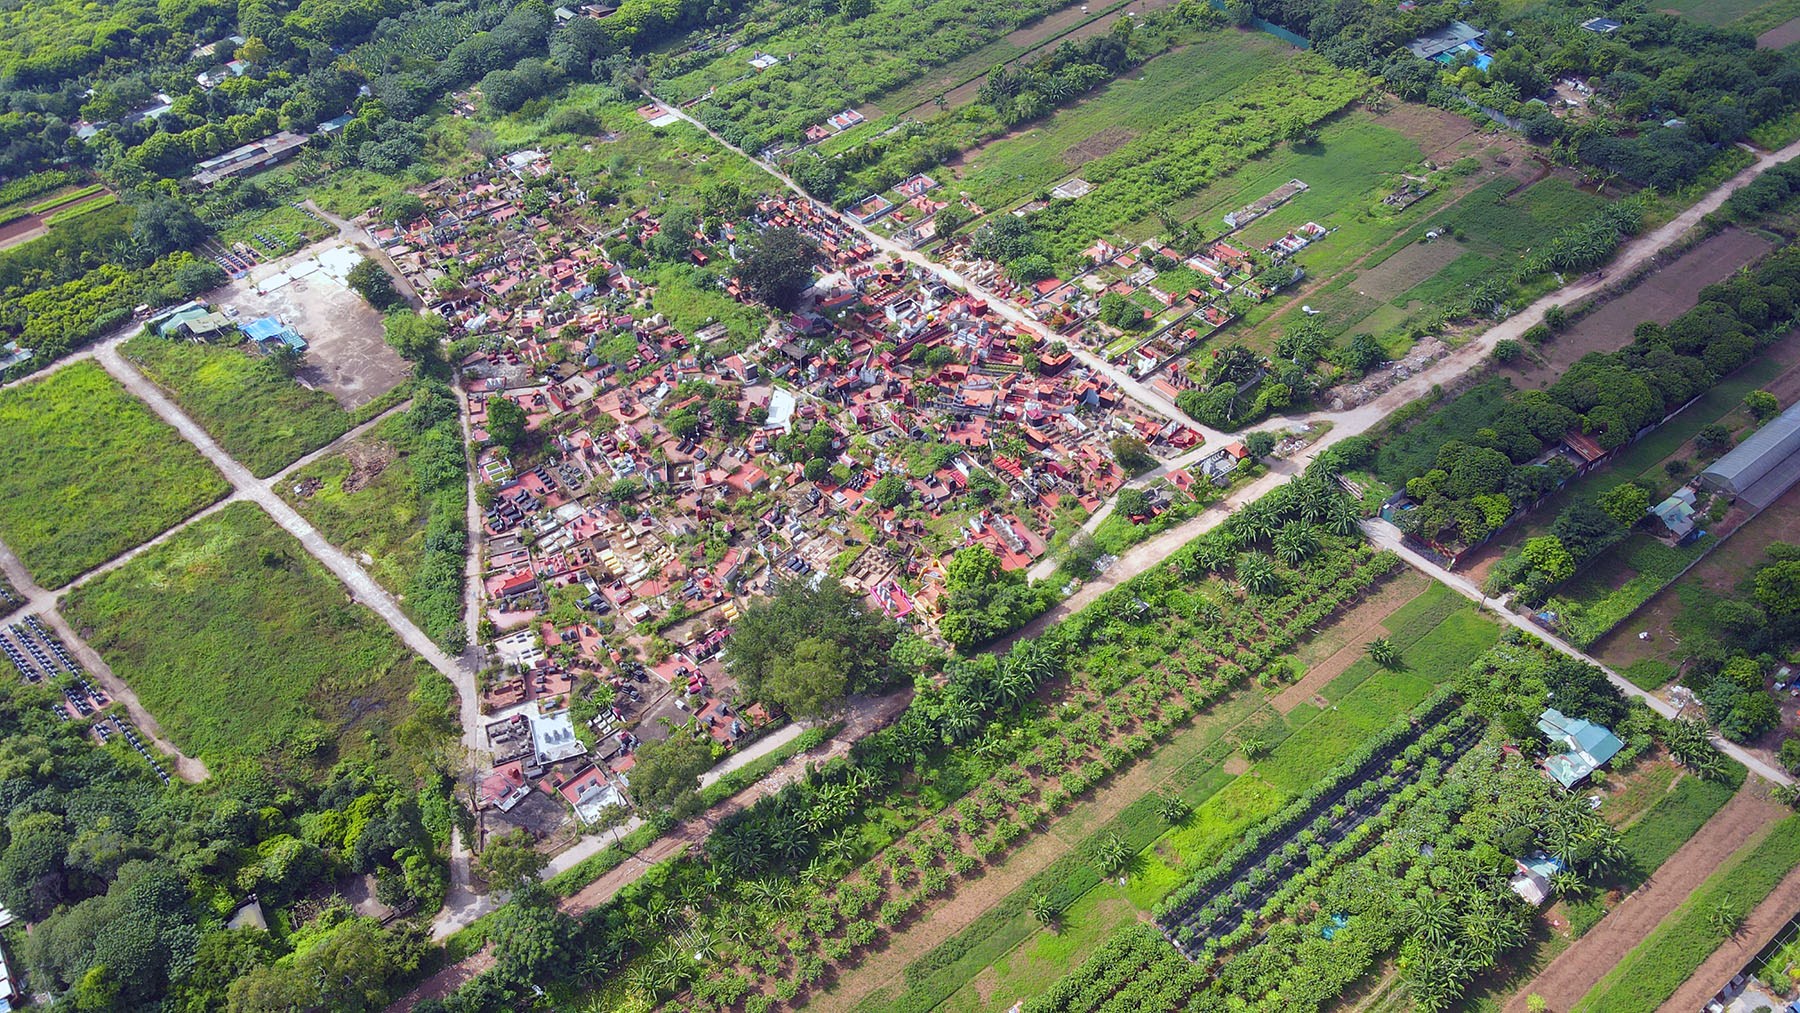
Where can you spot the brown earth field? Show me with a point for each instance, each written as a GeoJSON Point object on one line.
{"type": "Point", "coordinates": [1663, 296]}
{"type": "Point", "coordinates": [1579, 967]}
{"type": "Point", "coordinates": [1781, 36]}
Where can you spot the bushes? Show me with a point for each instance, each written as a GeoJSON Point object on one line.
{"type": "Point", "coordinates": [60, 318]}
{"type": "Point", "coordinates": [1347, 782]}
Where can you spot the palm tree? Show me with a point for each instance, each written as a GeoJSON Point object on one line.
{"type": "Point", "coordinates": [1110, 854]}
{"type": "Point", "coordinates": [1725, 916]}
{"type": "Point", "coordinates": [1258, 573]}
{"type": "Point", "coordinates": [1209, 612]}
{"type": "Point", "coordinates": [1343, 520]}
{"type": "Point", "coordinates": [1295, 542]}
{"type": "Point", "coordinates": [1431, 918]}
{"type": "Point", "coordinates": [1173, 809]}
{"type": "Point", "coordinates": [1383, 652]}
{"type": "Point", "coordinates": [1042, 909]}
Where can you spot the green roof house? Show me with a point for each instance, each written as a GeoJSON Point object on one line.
{"type": "Point", "coordinates": [1587, 747]}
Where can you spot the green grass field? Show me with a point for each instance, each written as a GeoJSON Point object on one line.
{"type": "Point", "coordinates": [245, 648]}
{"type": "Point", "coordinates": [382, 517]}
{"type": "Point", "coordinates": [1012, 168]}
{"type": "Point", "coordinates": [90, 472]}
{"type": "Point", "coordinates": [1715, 12]}
{"type": "Point", "coordinates": [260, 417]}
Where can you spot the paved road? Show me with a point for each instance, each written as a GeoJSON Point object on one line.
{"type": "Point", "coordinates": [362, 587]}
{"type": "Point", "coordinates": [1146, 397]}
{"type": "Point", "coordinates": [1387, 536]}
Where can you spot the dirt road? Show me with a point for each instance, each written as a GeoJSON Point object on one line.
{"type": "Point", "coordinates": [362, 587]}
{"type": "Point", "coordinates": [1578, 968]}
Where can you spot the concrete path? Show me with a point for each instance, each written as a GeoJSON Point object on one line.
{"type": "Point", "coordinates": [42, 603]}
{"type": "Point", "coordinates": [363, 588]}
{"type": "Point", "coordinates": [1387, 536]}
{"type": "Point", "coordinates": [356, 235]}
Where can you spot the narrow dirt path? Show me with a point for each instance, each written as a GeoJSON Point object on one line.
{"type": "Point", "coordinates": [362, 587]}
{"type": "Point", "coordinates": [1769, 917]}
{"type": "Point", "coordinates": [1356, 630]}
{"type": "Point", "coordinates": [1578, 968]}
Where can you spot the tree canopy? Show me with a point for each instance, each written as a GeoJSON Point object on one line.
{"type": "Point", "coordinates": [767, 637]}
{"type": "Point", "coordinates": [777, 266]}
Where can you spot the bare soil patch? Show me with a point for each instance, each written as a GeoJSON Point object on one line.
{"type": "Point", "coordinates": [1235, 764]}
{"type": "Point", "coordinates": [1781, 36]}
{"type": "Point", "coordinates": [1443, 137]}
{"type": "Point", "coordinates": [21, 231]}
{"type": "Point", "coordinates": [1405, 269]}
{"type": "Point", "coordinates": [1662, 296]}
{"type": "Point", "coordinates": [1097, 145]}
{"type": "Point", "coordinates": [347, 356]}
{"type": "Point", "coordinates": [368, 459]}
{"type": "Point", "coordinates": [1570, 975]}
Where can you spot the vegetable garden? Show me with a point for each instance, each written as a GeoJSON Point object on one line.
{"type": "Point", "coordinates": [1257, 878]}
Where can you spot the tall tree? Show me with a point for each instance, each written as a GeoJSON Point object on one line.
{"type": "Point", "coordinates": [777, 266]}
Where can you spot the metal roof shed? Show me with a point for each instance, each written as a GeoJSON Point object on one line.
{"type": "Point", "coordinates": [1762, 467]}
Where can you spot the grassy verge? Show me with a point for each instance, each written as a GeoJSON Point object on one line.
{"type": "Point", "coordinates": [757, 769]}
{"type": "Point", "coordinates": [270, 660]}
{"type": "Point", "coordinates": [258, 414]}
{"type": "Point", "coordinates": [1656, 967]}
{"type": "Point", "coordinates": [1655, 836]}
{"type": "Point", "coordinates": [90, 473]}
{"type": "Point", "coordinates": [397, 495]}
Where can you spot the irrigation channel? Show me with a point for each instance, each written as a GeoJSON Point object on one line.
{"type": "Point", "coordinates": [1233, 890]}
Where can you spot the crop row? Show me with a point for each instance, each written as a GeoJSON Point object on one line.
{"type": "Point", "coordinates": [1131, 972]}
{"type": "Point", "coordinates": [1342, 786]}
{"type": "Point", "coordinates": [1274, 889]}
{"type": "Point", "coordinates": [1046, 762]}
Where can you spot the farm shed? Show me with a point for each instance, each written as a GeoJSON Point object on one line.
{"type": "Point", "coordinates": [1762, 467]}
{"type": "Point", "coordinates": [1452, 36]}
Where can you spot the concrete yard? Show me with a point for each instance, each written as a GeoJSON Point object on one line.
{"type": "Point", "coordinates": [346, 355]}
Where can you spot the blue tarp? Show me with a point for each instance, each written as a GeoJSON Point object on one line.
{"type": "Point", "coordinates": [263, 329]}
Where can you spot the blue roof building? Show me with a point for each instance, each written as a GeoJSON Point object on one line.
{"type": "Point", "coordinates": [268, 330]}
{"type": "Point", "coordinates": [1587, 746]}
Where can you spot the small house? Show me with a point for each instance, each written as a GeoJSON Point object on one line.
{"type": "Point", "coordinates": [1586, 747]}
{"type": "Point", "coordinates": [1531, 877]}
